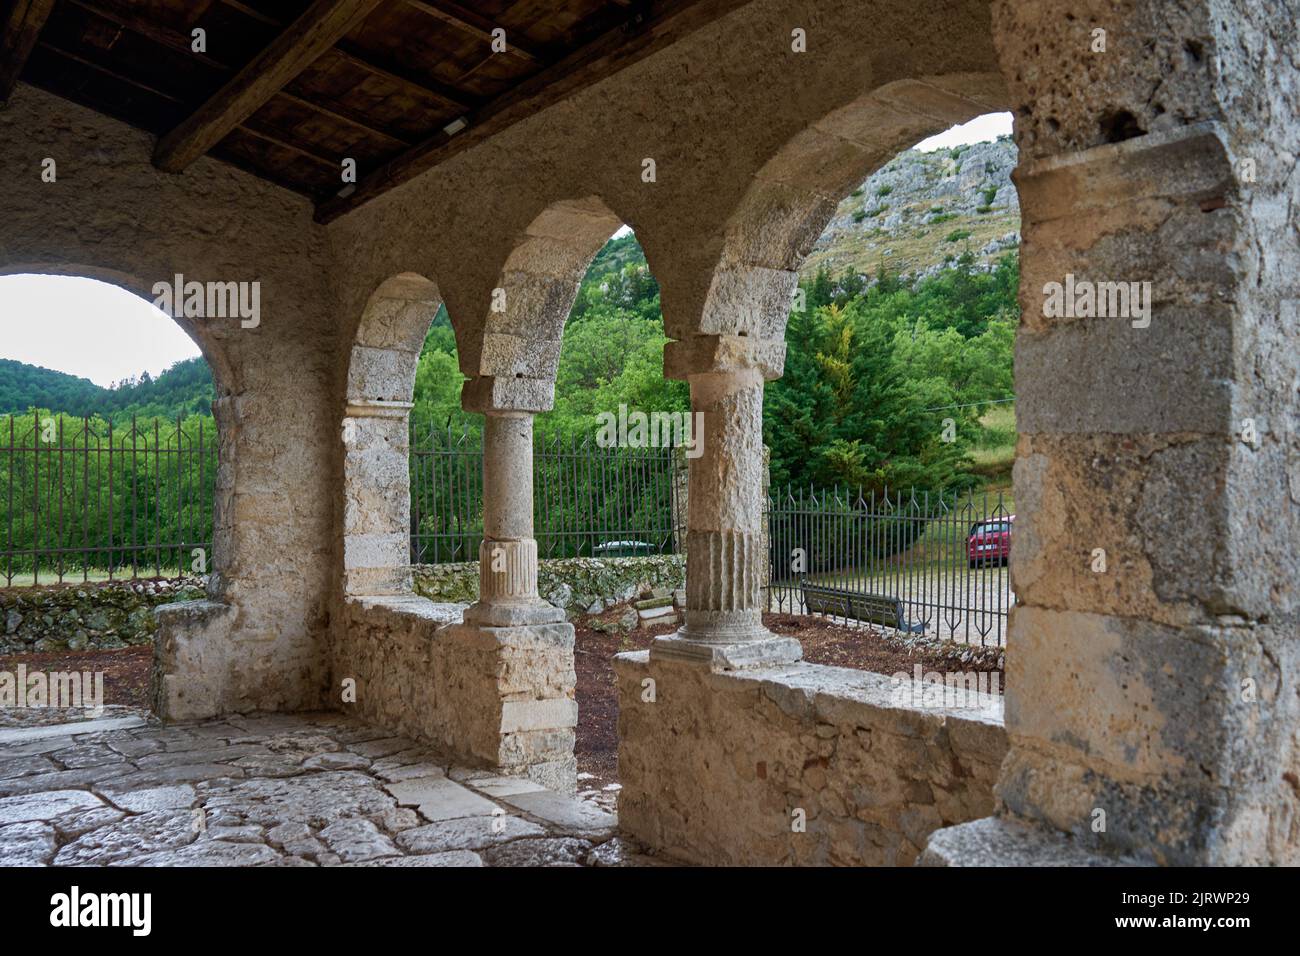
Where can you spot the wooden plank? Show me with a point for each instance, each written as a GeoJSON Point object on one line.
{"type": "Point", "coordinates": [18, 35]}
{"type": "Point", "coordinates": [323, 24]}
{"type": "Point", "coordinates": [608, 54]}
{"type": "Point", "coordinates": [108, 71]}
{"type": "Point", "coordinates": [476, 24]}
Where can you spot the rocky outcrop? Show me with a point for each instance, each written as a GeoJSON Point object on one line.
{"type": "Point", "coordinates": [920, 211]}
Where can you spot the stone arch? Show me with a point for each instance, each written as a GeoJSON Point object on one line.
{"type": "Point", "coordinates": [376, 440]}
{"type": "Point", "coordinates": [525, 316]}
{"type": "Point", "coordinates": [225, 379]}
{"type": "Point", "coordinates": [224, 373]}
{"type": "Point", "coordinates": [794, 195]}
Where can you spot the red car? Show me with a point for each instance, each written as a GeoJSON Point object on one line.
{"type": "Point", "coordinates": [989, 542]}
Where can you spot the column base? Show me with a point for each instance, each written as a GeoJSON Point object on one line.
{"type": "Point", "coordinates": [765, 649]}
{"type": "Point", "coordinates": [513, 614]}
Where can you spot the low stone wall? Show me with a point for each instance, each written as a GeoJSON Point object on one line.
{"type": "Point", "coordinates": [579, 585]}
{"type": "Point", "coordinates": [722, 768]}
{"type": "Point", "coordinates": [96, 616]}
{"type": "Point", "coordinates": [497, 697]}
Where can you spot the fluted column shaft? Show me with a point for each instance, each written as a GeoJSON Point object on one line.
{"type": "Point", "coordinates": [725, 508]}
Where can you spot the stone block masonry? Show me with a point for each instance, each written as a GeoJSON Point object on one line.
{"type": "Point", "coordinates": [496, 697]}
{"type": "Point", "coordinates": [796, 765]}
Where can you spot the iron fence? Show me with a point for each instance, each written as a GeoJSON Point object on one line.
{"type": "Point", "coordinates": [587, 500]}
{"type": "Point", "coordinates": [920, 562]}
{"type": "Point", "coordinates": [86, 499]}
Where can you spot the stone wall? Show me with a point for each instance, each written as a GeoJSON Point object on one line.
{"type": "Point", "coordinates": [499, 697]}
{"type": "Point", "coordinates": [89, 616]}
{"type": "Point", "coordinates": [579, 585]}
{"type": "Point", "coordinates": [717, 766]}
{"type": "Point", "coordinates": [111, 215]}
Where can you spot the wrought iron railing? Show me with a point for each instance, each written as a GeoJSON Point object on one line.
{"type": "Point", "coordinates": [85, 499]}
{"type": "Point", "coordinates": [936, 561]}
{"type": "Point", "coordinates": [587, 500]}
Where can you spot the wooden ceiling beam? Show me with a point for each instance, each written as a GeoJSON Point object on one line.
{"type": "Point", "coordinates": [346, 115]}
{"type": "Point", "coordinates": [613, 51]}
{"type": "Point", "coordinates": [150, 29]}
{"type": "Point", "coordinates": [396, 74]}
{"type": "Point", "coordinates": [476, 24]}
{"type": "Point", "coordinates": [182, 43]}
{"type": "Point", "coordinates": [323, 24]}
{"type": "Point", "coordinates": [115, 74]}
{"type": "Point", "coordinates": [18, 35]}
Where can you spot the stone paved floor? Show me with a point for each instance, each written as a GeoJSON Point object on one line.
{"type": "Point", "coordinates": [278, 790]}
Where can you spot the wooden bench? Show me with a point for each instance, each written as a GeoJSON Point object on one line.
{"type": "Point", "coordinates": [884, 610]}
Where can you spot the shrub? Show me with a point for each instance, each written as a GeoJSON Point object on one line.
{"type": "Point", "coordinates": [957, 235]}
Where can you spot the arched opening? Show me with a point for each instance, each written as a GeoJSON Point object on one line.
{"type": "Point", "coordinates": [114, 471]}
{"type": "Point", "coordinates": [572, 333]}
{"type": "Point", "coordinates": [382, 372]}
{"type": "Point", "coordinates": [892, 429]}
{"type": "Point", "coordinates": [872, 358]}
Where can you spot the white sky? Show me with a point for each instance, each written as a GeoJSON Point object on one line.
{"type": "Point", "coordinates": [981, 129]}
{"type": "Point", "coordinates": [87, 328]}
{"type": "Point", "coordinates": [104, 333]}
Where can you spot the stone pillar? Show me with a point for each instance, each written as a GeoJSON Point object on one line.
{"type": "Point", "coordinates": [508, 669]}
{"type": "Point", "coordinates": [1152, 663]}
{"type": "Point", "coordinates": [725, 554]}
{"type": "Point", "coordinates": [377, 498]}
{"type": "Point", "coordinates": [508, 554]}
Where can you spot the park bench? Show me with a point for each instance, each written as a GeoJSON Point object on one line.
{"type": "Point", "coordinates": [884, 610]}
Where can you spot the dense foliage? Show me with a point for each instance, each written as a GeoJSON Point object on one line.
{"type": "Point", "coordinates": [182, 390]}
{"type": "Point", "coordinates": [876, 378]}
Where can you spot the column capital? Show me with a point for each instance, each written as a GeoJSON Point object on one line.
{"type": "Point", "coordinates": [705, 354]}
{"type": "Point", "coordinates": [493, 395]}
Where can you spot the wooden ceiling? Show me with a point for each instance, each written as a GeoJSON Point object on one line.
{"type": "Point", "coordinates": [289, 89]}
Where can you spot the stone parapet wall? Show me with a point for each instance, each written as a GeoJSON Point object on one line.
{"type": "Point", "coordinates": [497, 697]}
{"type": "Point", "coordinates": [87, 616]}
{"type": "Point", "coordinates": [579, 585]}
{"type": "Point", "coordinates": [716, 768]}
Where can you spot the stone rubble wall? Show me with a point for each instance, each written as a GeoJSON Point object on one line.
{"type": "Point", "coordinates": [579, 585]}
{"type": "Point", "coordinates": [497, 697]}
{"type": "Point", "coordinates": [716, 767]}
{"type": "Point", "coordinates": [87, 616]}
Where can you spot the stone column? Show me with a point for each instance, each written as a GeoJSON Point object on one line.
{"type": "Point", "coordinates": [725, 553]}
{"type": "Point", "coordinates": [508, 554]}
{"type": "Point", "coordinates": [505, 678]}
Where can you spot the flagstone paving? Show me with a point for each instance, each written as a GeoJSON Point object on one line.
{"type": "Point", "coordinates": [278, 790]}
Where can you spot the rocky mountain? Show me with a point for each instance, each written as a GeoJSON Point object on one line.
{"type": "Point", "coordinates": [920, 211]}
